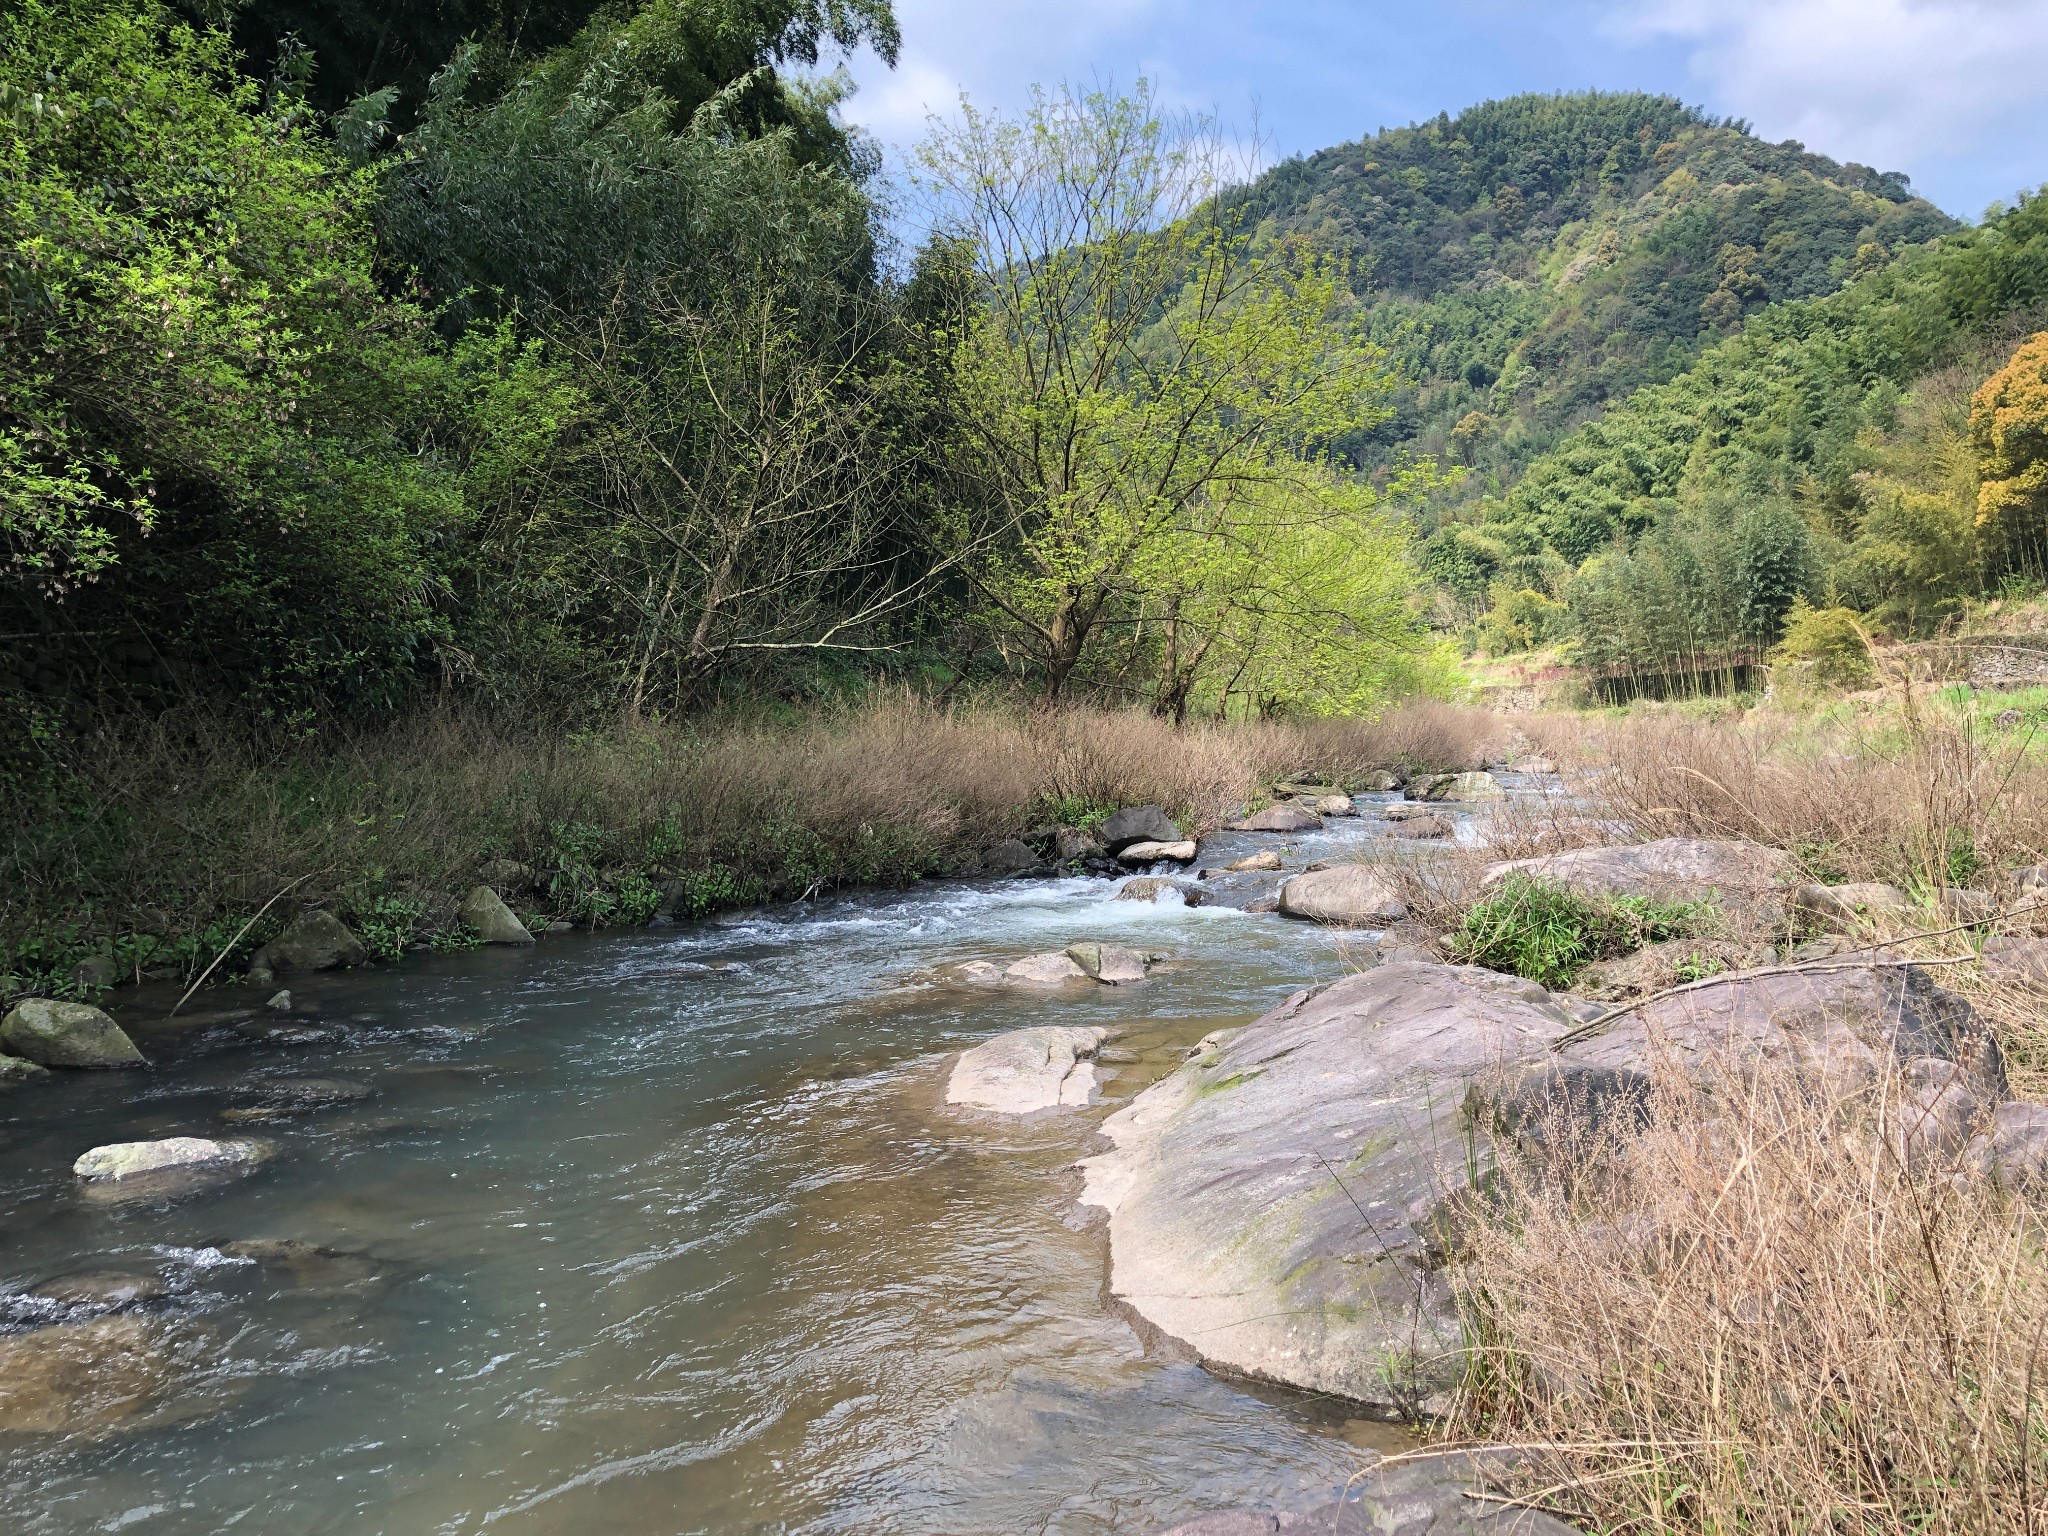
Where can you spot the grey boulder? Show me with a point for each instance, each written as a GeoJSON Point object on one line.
{"type": "Point", "coordinates": [1012, 856]}
{"type": "Point", "coordinates": [1746, 880]}
{"type": "Point", "coordinates": [1047, 970]}
{"type": "Point", "coordinates": [1111, 964]}
{"type": "Point", "coordinates": [1276, 1204]}
{"type": "Point", "coordinates": [1455, 786]}
{"type": "Point", "coordinates": [128, 1159]}
{"type": "Point", "coordinates": [1182, 852]}
{"type": "Point", "coordinates": [1266, 859]}
{"type": "Point", "coordinates": [2017, 959]}
{"type": "Point", "coordinates": [315, 940]}
{"type": "Point", "coordinates": [59, 1034]}
{"type": "Point", "coordinates": [1280, 818]}
{"type": "Point", "coordinates": [1335, 805]}
{"type": "Point", "coordinates": [485, 912]}
{"type": "Point", "coordinates": [1345, 896]}
{"type": "Point", "coordinates": [1155, 888]}
{"type": "Point", "coordinates": [1137, 824]}
{"type": "Point", "coordinates": [1026, 1070]}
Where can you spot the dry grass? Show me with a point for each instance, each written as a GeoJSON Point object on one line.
{"type": "Point", "coordinates": [1761, 1316]}
{"type": "Point", "coordinates": [177, 829]}
{"type": "Point", "coordinates": [1922, 798]}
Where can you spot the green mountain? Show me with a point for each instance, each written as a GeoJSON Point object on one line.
{"type": "Point", "coordinates": [1532, 260]}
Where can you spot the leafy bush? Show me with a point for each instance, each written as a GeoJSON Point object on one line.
{"type": "Point", "coordinates": [1828, 643]}
{"type": "Point", "coordinates": [1548, 932]}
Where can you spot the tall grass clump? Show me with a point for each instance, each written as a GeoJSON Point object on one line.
{"type": "Point", "coordinates": [1772, 1308]}
{"type": "Point", "coordinates": [1548, 932]}
{"type": "Point", "coordinates": [1922, 797]}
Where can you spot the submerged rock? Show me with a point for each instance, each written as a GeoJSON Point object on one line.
{"type": "Point", "coordinates": [1425, 1496]}
{"type": "Point", "coordinates": [128, 1159]}
{"type": "Point", "coordinates": [979, 972]}
{"type": "Point", "coordinates": [1746, 881]}
{"type": "Point", "coordinates": [1155, 888]}
{"type": "Point", "coordinates": [1345, 895]}
{"type": "Point", "coordinates": [495, 923]}
{"type": "Point", "coordinates": [102, 1290]}
{"type": "Point", "coordinates": [1138, 824]}
{"type": "Point", "coordinates": [1049, 1067]}
{"type": "Point", "coordinates": [1280, 818]}
{"type": "Point", "coordinates": [58, 1034]}
{"type": "Point", "coordinates": [14, 1071]}
{"type": "Point", "coordinates": [89, 1378]}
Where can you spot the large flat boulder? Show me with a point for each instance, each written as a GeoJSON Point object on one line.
{"type": "Point", "coordinates": [1274, 1203]}
{"type": "Point", "coordinates": [1137, 824]}
{"type": "Point", "coordinates": [1111, 964]}
{"type": "Point", "coordinates": [51, 1033]}
{"type": "Point", "coordinates": [1048, 1067]}
{"type": "Point", "coordinates": [1285, 1203]}
{"type": "Point", "coordinates": [1746, 880]}
{"type": "Point", "coordinates": [1344, 896]}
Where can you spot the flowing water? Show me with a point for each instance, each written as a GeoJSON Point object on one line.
{"type": "Point", "coordinates": [658, 1232]}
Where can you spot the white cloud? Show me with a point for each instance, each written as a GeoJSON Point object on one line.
{"type": "Point", "coordinates": [1900, 84]}
{"type": "Point", "coordinates": [994, 50]}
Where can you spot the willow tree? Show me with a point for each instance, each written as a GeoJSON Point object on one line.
{"type": "Point", "coordinates": [1136, 377]}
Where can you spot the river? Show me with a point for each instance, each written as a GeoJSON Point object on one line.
{"type": "Point", "coordinates": [664, 1232]}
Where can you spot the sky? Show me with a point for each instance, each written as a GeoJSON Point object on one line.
{"type": "Point", "coordinates": [1952, 92]}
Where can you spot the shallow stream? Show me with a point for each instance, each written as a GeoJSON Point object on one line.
{"type": "Point", "coordinates": [662, 1232]}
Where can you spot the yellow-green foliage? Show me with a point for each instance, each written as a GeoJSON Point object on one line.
{"type": "Point", "coordinates": [1829, 644]}
{"type": "Point", "coordinates": [2009, 426]}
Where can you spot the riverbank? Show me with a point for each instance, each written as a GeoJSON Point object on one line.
{"type": "Point", "coordinates": [158, 851]}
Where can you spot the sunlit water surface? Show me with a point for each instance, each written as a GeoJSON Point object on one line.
{"type": "Point", "coordinates": [669, 1232]}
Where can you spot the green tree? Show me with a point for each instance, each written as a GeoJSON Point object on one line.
{"type": "Point", "coordinates": [221, 446]}
{"type": "Point", "coordinates": [1134, 370]}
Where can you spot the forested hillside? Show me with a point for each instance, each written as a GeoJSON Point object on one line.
{"type": "Point", "coordinates": [1875, 457]}
{"type": "Point", "coordinates": [1532, 260]}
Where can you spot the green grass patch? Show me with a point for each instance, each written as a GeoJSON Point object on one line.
{"type": "Point", "coordinates": [1547, 932]}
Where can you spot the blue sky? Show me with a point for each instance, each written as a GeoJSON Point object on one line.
{"type": "Point", "coordinates": [1952, 92]}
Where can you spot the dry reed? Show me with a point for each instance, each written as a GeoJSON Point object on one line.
{"type": "Point", "coordinates": [1760, 1315]}
{"type": "Point", "coordinates": [173, 826]}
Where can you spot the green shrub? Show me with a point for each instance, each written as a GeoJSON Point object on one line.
{"type": "Point", "coordinates": [1549, 933]}
{"type": "Point", "coordinates": [1829, 644]}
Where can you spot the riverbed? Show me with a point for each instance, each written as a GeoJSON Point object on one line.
{"type": "Point", "coordinates": [664, 1232]}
